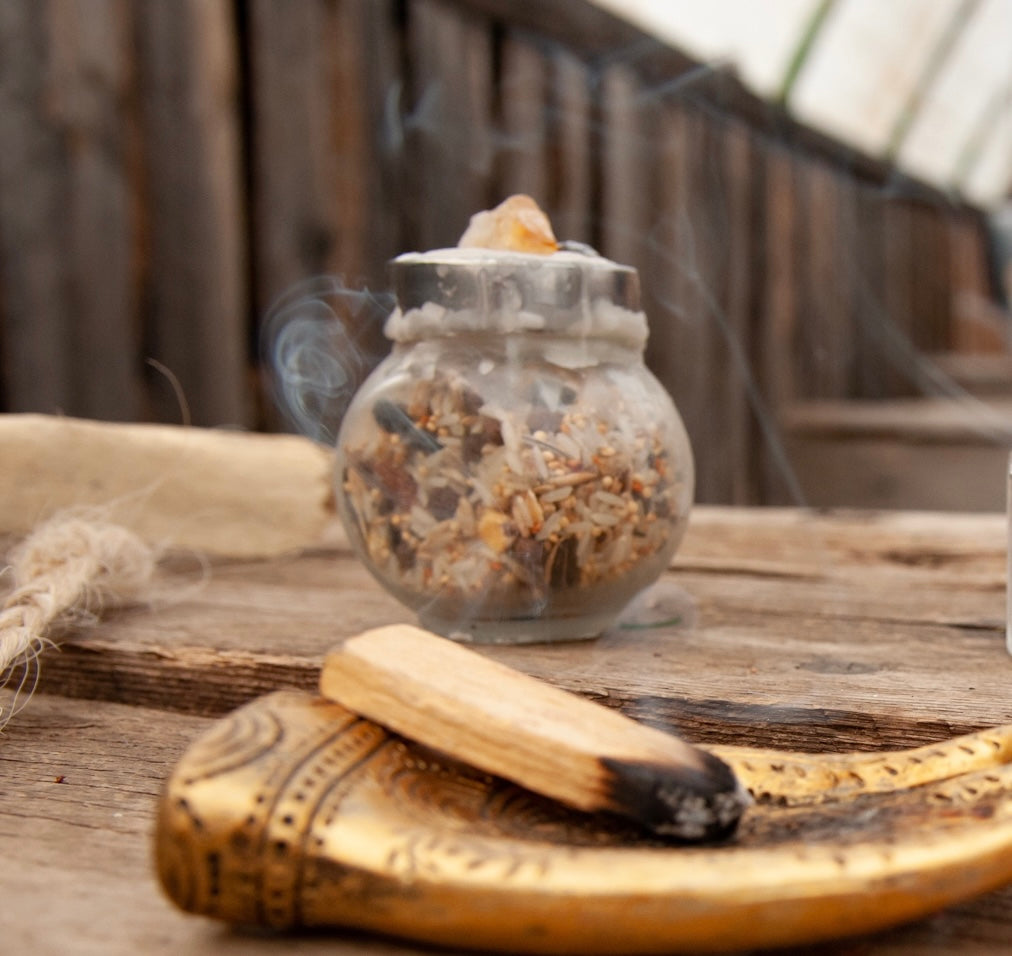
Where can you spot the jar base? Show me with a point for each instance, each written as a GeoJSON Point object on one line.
{"type": "Point", "coordinates": [539, 630]}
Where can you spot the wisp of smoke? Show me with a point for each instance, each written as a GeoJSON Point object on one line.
{"type": "Point", "coordinates": [312, 351]}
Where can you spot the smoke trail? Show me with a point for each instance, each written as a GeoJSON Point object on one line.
{"type": "Point", "coordinates": [310, 344]}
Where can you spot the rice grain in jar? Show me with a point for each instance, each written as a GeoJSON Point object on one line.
{"type": "Point", "coordinates": [512, 471]}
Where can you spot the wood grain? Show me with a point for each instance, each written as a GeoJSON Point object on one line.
{"type": "Point", "coordinates": [195, 279]}
{"type": "Point", "coordinates": [780, 308]}
{"type": "Point", "coordinates": [67, 229]}
{"type": "Point", "coordinates": [793, 629]}
{"type": "Point", "coordinates": [571, 157]}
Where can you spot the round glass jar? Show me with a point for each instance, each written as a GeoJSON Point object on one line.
{"type": "Point", "coordinates": [512, 471]}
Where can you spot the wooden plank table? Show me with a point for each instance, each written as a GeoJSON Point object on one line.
{"type": "Point", "coordinates": [795, 629]}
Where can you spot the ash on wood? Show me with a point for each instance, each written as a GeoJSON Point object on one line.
{"type": "Point", "coordinates": [543, 738]}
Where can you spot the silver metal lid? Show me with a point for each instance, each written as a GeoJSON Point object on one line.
{"type": "Point", "coordinates": [466, 290]}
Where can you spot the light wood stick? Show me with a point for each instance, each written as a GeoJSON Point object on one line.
{"type": "Point", "coordinates": [506, 723]}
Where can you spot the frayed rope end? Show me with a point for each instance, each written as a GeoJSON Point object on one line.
{"type": "Point", "coordinates": [68, 570]}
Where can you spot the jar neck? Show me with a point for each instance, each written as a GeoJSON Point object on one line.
{"type": "Point", "coordinates": [599, 321]}
{"type": "Point", "coordinates": [566, 350]}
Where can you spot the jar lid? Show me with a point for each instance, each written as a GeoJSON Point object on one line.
{"type": "Point", "coordinates": [570, 293]}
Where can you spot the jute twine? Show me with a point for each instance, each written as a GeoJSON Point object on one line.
{"type": "Point", "coordinates": [65, 573]}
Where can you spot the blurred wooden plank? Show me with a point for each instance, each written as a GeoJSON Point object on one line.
{"type": "Point", "coordinates": [873, 346]}
{"type": "Point", "coordinates": [981, 374]}
{"type": "Point", "coordinates": [735, 382]}
{"type": "Point", "coordinates": [317, 107]}
{"type": "Point", "coordinates": [931, 279]}
{"type": "Point", "coordinates": [522, 91]}
{"type": "Point", "coordinates": [626, 166]}
{"type": "Point", "coordinates": [295, 122]}
{"type": "Point", "coordinates": [700, 235]}
{"type": "Point", "coordinates": [325, 190]}
{"type": "Point", "coordinates": [571, 156]}
{"type": "Point", "coordinates": [679, 347]}
{"type": "Point", "coordinates": [972, 330]}
{"type": "Point", "coordinates": [824, 343]}
{"type": "Point", "coordinates": [92, 73]}
{"type": "Point", "coordinates": [36, 348]}
{"type": "Point", "coordinates": [919, 453]}
{"type": "Point", "coordinates": [70, 331]}
{"type": "Point", "coordinates": [780, 311]}
{"type": "Point", "coordinates": [782, 273]}
{"type": "Point", "coordinates": [376, 28]}
{"type": "Point", "coordinates": [899, 303]}
{"type": "Point", "coordinates": [196, 270]}
{"type": "Point", "coordinates": [449, 136]}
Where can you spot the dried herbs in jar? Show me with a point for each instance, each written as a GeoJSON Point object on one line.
{"type": "Point", "coordinates": [512, 471]}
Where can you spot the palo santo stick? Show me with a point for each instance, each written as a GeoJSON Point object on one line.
{"type": "Point", "coordinates": [548, 740]}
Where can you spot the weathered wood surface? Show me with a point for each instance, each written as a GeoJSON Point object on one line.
{"type": "Point", "coordinates": [831, 632]}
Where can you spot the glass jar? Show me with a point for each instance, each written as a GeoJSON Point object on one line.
{"type": "Point", "coordinates": [512, 471]}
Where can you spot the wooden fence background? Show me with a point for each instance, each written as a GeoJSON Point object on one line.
{"type": "Point", "coordinates": [168, 169]}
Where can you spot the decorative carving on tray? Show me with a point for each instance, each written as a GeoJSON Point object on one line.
{"type": "Point", "coordinates": [294, 812]}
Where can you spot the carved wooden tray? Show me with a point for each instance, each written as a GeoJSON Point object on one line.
{"type": "Point", "coordinates": [294, 812]}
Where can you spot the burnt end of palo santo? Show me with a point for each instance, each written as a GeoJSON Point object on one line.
{"type": "Point", "coordinates": [677, 802]}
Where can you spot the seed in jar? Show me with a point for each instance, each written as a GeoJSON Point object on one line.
{"type": "Point", "coordinates": [557, 494]}
{"type": "Point", "coordinates": [607, 499]}
{"type": "Point", "coordinates": [522, 517]}
{"type": "Point", "coordinates": [443, 502]}
{"type": "Point", "coordinates": [534, 507]}
{"type": "Point", "coordinates": [491, 530]}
